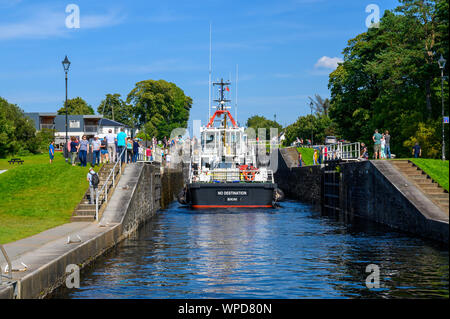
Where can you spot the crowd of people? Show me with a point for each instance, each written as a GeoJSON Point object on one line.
{"type": "Point", "coordinates": [109, 148]}
{"type": "Point", "coordinates": [381, 148]}
{"type": "Point", "coordinates": [104, 150]}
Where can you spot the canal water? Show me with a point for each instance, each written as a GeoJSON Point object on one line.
{"type": "Point", "coordinates": [289, 252]}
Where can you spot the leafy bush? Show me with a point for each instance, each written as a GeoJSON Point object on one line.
{"type": "Point", "coordinates": [428, 139]}
{"type": "Point", "coordinates": [17, 132]}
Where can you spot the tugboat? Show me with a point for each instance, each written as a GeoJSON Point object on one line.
{"type": "Point", "coordinates": [224, 168]}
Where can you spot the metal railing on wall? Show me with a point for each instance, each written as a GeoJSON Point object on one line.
{"type": "Point", "coordinates": [8, 261]}
{"type": "Point", "coordinates": [349, 151]}
{"type": "Point", "coordinates": [112, 175]}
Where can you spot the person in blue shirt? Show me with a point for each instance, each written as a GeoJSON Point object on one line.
{"type": "Point", "coordinates": [417, 151]}
{"type": "Point", "coordinates": [51, 151]}
{"type": "Point", "coordinates": [121, 143]}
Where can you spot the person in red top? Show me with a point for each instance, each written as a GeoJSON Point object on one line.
{"type": "Point", "coordinates": [149, 153]}
{"type": "Point", "coordinates": [325, 153]}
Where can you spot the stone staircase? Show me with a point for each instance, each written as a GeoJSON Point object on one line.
{"type": "Point", "coordinates": [290, 156]}
{"type": "Point", "coordinates": [430, 188]}
{"type": "Point", "coordinates": [85, 212]}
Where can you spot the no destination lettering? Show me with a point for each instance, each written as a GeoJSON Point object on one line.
{"type": "Point", "coordinates": [232, 193]}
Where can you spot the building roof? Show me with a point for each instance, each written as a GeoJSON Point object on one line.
{"type": "Point", "coordinates": [48, 114]}
{"type": "Point", "coordinates": [92, 116]}
{"type": "Point", "coordinates": [108, 122]}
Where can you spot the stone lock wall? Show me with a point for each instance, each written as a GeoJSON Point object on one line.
{"type": "Point", "coordinates": [301, 183]}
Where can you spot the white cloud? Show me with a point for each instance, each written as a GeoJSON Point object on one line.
{"type": "Point", "coordinates": [46, 22]}
{"type": "Point", "coordinates": [328, 63]}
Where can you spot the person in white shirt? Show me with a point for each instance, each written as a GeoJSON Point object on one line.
{"type": "Point", "coordinates": [168, 159]}
{"type": "Point", "coordinates": [110, 139]}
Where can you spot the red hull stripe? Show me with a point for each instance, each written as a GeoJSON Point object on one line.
{"type": "Point", "coordinates": [230, 206]}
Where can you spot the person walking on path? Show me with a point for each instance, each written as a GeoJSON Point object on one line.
{"type": "Point", "coordinates": [364, 153]}
{"type": "Point", "coordinates": [383, 147]}
{"type": "Point", "coordinates": [129, 150]}
{"type": "Point", "coordinates": [111, 142]}
{"type": "Point", "coordinates": [83, 149]}
{"type": "Point", "coordinates": [121, 143]}
{"type": "Point", "coordinates": [103, 151]}
{"type": "Point", "coordinates": [73, 150]}
{"type": "Point", "coordinates": [149, 154]}
{"type": "Point", "coordinates": [96, 146]}
{"type": "Point", "coordinates": [315, 155]}
{"type": "Point", "coordinates": [93, 180]}
{"type": "Point", "coordinates": [51, 151]}
{"type": "Point", "coordinates": [417, 151]}
{"type": "Point", "coordinates": [325, 154]}
{"type": "Point", "coordinates": [135, 150]}
{"type": "Point", "coordinates": [168, 158]}
{"type": "Point", "coordinates": [300, 164]}
{"type": "Point", "coordinates": [377, 144]}
{"type": "Point", "coordinates": [387, 147]}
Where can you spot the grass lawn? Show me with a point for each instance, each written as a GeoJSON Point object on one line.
{"type": "Point", "coordinates": [38, 195]}
{"type": "Point", "coordinates": [32, 159]}
{"type": "Point", "coordinates": [307, 155]}
{"type": "Point", "coordinates": [436, 169]}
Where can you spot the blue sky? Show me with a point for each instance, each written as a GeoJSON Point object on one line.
{"type": "Point", "coordinates": [285, 50]}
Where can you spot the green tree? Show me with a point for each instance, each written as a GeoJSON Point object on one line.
{"type": "Point", "coordinates": [321, 105]}
{"type": "Point", "coordinates": [256, 122]}
{"type": "Point", "coordinates": [77, 106]}
{"type": "Point", "coordinates": [426, 137]}
{"type": "Point", "coordinates": [319, 126]}
{"type": "Point", "coordinates": [389, 78]}
{"type": "Point", "coordinates": [159, 107]}
{"type": "Point", "coordinates": [43, 139]}
{"type": "Point", "coordinates": [114, 108]}
{"type": "Point", "coordinates": [17, 132]}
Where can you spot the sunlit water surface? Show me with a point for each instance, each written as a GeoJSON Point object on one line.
{"type": "Point", "coordinates": [289, 252]}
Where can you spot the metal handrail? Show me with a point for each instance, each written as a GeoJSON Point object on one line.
{"type": "Point", "coordinates": [342, 151]}
{"type": "Point", "coordinates": [8, 261]}
{"type": "Point", "coordinates": [119, 161]}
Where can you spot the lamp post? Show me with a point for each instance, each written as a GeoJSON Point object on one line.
{"type": "Point", "coordinates": [311, 104]}
{"type": "Point", "coordinates": [441, 63]}
{"type": "Point", "coordinates": [66, 65]}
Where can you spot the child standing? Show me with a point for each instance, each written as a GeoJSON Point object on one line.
{"type": "Point", "coordinates": [51, 151]}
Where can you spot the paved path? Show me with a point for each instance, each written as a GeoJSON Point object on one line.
{"type": "Point", "coordinates": [19, 247]}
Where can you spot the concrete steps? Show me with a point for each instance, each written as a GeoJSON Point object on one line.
{"type": "Point", "coordinates": [430, 188]}
{"type": "Point", "coordinates": [85, 212]}
{"type": "Point", "coordinates": [77, 218]}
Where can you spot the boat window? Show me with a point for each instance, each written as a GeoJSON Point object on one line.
{"type": "Point", "coordinates": [209, 138]}
{"type": "Point", "coordinates": [224, 165]}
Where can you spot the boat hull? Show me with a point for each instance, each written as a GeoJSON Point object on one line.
{"type": "Point", "coordinates": [229, 195]}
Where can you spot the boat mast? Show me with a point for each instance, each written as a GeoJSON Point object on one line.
{"type": "Point", "coordinates": [236, 92]}
{"type": "Point", "coordinates": [222, 106]}
{"type": "Point", "coordinates": [210, 70]}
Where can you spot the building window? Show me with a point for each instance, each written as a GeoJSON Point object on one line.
{"type": "Point", "coordinates": [74, 124]}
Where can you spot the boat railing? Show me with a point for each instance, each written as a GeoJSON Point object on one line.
{"type": "Point", "coordinates": [231, 176]}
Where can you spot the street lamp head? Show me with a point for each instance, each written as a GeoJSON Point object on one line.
{"type": "Point", "coordinates": [441, 62]}
{"type": "Point", "coordinates": [66, 64]}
